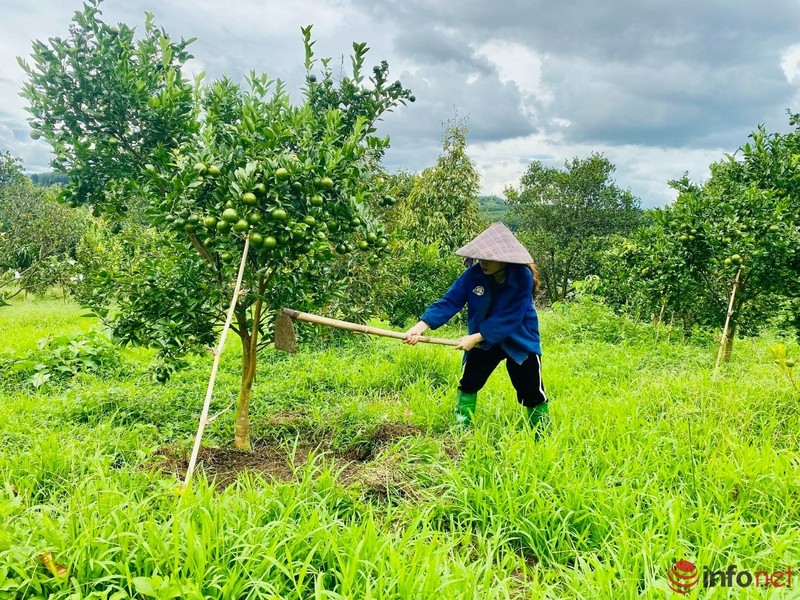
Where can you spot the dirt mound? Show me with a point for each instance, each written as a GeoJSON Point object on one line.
{"type": "Point", "coordinates": [223, 465]}
{"type": "Point", "coordinates": [280, 461]}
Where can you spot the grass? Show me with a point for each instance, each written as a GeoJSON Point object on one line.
{"type": "Point", "coordinates": [648, 460]}
{"type": "Point", "coordinates": [29, 321]}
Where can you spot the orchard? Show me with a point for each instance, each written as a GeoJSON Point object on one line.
{"type": "Point", "coordinates": [730, 243]}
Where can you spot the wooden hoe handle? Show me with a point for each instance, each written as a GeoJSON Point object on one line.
{"type": "Point", "coordinates": [296, 314]}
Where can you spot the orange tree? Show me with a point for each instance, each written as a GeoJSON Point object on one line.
{"type": "Point", "coordinates": [202, 167]}
{"type": "Point", "coordinates": [746, 216]}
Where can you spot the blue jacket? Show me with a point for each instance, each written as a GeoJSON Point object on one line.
{"type": "Point", "coordinates": [502, 313]}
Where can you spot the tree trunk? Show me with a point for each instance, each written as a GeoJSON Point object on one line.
{"type": "Point", "coordinates": [550, 278]}
{"type": "Point", "coordinates": [241, 438]}
{"type": "Point", "coordinates": [249, 341]}
{"type": "Point", "coordinates": [242, 424]}
{"type": "Point", "coordinates": [727, 349]}
{"type": "Point", "coordinates": [565, 280]}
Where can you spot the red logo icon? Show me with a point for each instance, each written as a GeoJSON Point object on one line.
{"type": "Point", "coordinates": [682, 577]}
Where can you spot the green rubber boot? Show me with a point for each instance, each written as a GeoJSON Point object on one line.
{"type": "Point", "coordinates": [465, 407]}
{"type": "Point", "coordinates": [538, 417]}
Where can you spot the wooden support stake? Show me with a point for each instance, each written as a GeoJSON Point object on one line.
{"type": "Point", "coordinates": [724, 339]}
{"type": "Point", "coordinates": [204, 420]}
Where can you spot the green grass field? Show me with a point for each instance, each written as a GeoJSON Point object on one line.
{"type": "Point", "coordinates": [648, 460]}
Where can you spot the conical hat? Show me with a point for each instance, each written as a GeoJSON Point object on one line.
{"type": "Point", "coordinates": [496, 243]}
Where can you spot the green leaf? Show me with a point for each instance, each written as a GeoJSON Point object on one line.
{"type": "Point", "coordinates": [144, 586]}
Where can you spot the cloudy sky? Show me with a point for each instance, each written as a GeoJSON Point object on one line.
{"type": "Point", "coordinates": [661, 88]}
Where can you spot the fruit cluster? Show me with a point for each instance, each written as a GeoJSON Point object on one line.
{"type": "Point", "coordinates": [280, 212]}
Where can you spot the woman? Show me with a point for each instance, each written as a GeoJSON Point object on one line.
{"type": "Point", "coordinates": [501, 320]}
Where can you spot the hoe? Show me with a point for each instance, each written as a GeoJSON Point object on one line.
{"type": "Point", "coordinates": [285, 338]}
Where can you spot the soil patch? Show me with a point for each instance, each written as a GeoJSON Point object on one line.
{"type": "Point", "coordinates": [280, 461]}
{"type": "Point", "coordinates": [223, 465]}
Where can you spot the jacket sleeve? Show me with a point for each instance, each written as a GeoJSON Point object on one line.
{"type": "Point", "coordinates": [444, 309]}
{"type": "Point", "coordinates": [507, 316]}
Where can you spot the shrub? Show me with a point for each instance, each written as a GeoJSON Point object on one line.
{"type": "Point", "coordinates": [60, 358]}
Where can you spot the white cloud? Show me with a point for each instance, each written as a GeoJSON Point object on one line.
{"type": "Point", "coordinates": [518, 64]}
{"type": "Point", "coordinates": [790, 63]}
{"type": "Point", "coordinates": [645, 170]}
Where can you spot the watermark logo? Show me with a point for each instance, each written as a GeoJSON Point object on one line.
{"type": "Point", "coordinates": [683, 577]}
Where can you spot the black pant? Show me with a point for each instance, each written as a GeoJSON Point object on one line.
{"type": "Point", "coordinates": [526, 378]}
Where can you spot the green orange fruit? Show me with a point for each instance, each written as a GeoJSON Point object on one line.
{"type": "Point", "coordinates": [256, 239]}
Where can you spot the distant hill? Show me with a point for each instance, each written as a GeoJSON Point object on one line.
{"type": "Point", "coordinates": [494, 208]}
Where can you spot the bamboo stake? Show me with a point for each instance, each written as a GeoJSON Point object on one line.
{"type": "Point", "coordinates": [217, 356]}
{"type": "Point", "coordinates": [724, 339]}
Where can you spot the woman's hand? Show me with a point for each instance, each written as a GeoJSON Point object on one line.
{"type": "Point", "coordinates": [468, 342]}
{"type": "Point", "coordinates": [412, 335]}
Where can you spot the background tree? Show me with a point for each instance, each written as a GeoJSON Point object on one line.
{"type": "Point", "coordinates": [208, 166]}
{"type": "Point", "coordinates": [38, 236]}
{"type": "Point", "coordinates": [48, 179]}
{"type": "Point", "coordinates": [637, 273]}
{"type": "Point", "coordinates": [442, 206]}
{"type": "Point", "coordinates": [429, 216]}
{"type": "Point", "coordinates": [745, 217]}
{"type": "Point", "coordinates": [566, 217]}
{"type": "Point", "coordinates": [10, 169]}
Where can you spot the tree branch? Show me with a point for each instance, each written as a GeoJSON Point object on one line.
{"type": "Point", "coordinates": [263, 283]}
{"type": "Point", "coordinates": [201, 248]}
